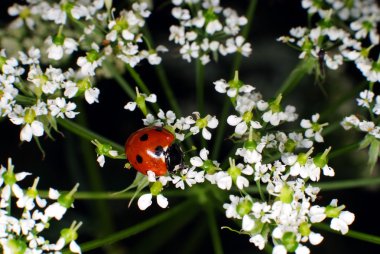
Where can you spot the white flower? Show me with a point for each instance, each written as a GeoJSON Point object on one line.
{"type": "Point", "coordinates": [241, 124]}
{"type": "Point", "coordinates": [366, 97]}
{"type": "Point", "coordinates": [313, 128]}
{"type": "Point", "coordinates": [188, 176]}
{"type": "Point", "coordinates": [146, 200]}
{"type": "Point", "coordinates": [91, 95]}
{"type": "Point", "coordinates": [189, 51]}
{"type": "Point", "coordinates": [56, 51]}
{"type": "Point", "coordinates": [59, 108]}
{"type": "Point", "coordinates": [315, 238]}
{"type": "Point", "coordinates": [258, 240]}
{"type": "Point", "coordinates": [342, 222]}
{"type": "Point", "coordinates": [201, 124]}
{"type": "Point", "coordinates": [279, 249]}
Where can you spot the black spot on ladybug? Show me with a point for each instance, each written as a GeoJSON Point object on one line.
{"type": "Point", "coordinates": [144, 137]}
{"type": "Point", "coordinates": [159, 129]}
{"type": "Point", "coordinates": [139, 158]}
{"type": "Point", "coordinates": [158, 151]}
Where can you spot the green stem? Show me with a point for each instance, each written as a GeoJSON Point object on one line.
{"type": "Point", "coordinates": [200, 83]}
{"type": "Point", "coordinates": [343, 150]}
{"type": "Point", "coordinates": [119, 79]}
{"type": "Point", "coordinates": [221, 129]}
{"type": "Point", "coordinates": [236, 65]}
{"type": "Point", "coordinates": [137, 228]}
{"type": "Point", "coordinates": [101, 212]}
{"type": "Point", "coordinates": [352, 233]}
{"type": "Point", "coordinates": [348, 184]}
{"type": "Point", "coordinates": [334, 185]}
{"type": "Point", "coordinates": [161, 74]}
{"type": "Point", "coordinates": [25, 100]}
{"type": "Point", "coordinates": [213, 226]}
{"type": "Point", "coordinates": [141, 84]}
{"type": "Point", "coordinates": [296, 76]}
{"type": "Point", "coordinates": [87, 134]}
{"type": "Point", "coordinates": [167, 89]}
{"type": "Point", "coordinates": [247, 28]}
{"type": "Point", "coordinates": [258, 185]}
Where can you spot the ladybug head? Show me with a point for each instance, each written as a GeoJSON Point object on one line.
{"type": "Point", "coordinates": [174, 157]}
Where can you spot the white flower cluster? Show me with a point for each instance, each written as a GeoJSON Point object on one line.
{"type": "Point", "coordinates": [346, 31]}
{"type": "Point", "coordinates": [125, 35]}
{"type": "Point", "coordinates": [207, 29]}
{"type": "Point", "coordinates": [286, 212]}
{"type": "Point", "coordinates": [34, 97]}
{"type": "Point", "coordinates": [371, 103]}
{"type": "Point", "coordinates": [22, 225]}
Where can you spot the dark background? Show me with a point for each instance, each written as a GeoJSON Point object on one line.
{"type": "Point", "coordinates": [267, 67]}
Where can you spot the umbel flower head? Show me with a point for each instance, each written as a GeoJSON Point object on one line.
{"type": "Point", "coordinates": [23, 232]}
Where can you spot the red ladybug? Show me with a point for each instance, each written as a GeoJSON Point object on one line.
{"type": "Point", "coordinates": [153, 148]}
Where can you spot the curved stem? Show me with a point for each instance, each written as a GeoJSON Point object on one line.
{"type": "Point", "coordinates": [352, 233]}
{"type": "Point", "coordinates": [87, 134]}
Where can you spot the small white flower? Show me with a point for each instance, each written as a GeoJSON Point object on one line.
{"type": "Point", "coordinates": [59, 108]}
{"type": "Point", "coordinates": [146, 200]}
{"type": "Point", "coordinates": [258, 240]}
{"type": "Point", "coordinates": [366, 97]}
{"type": "Point", "coordinates": [342, 222]}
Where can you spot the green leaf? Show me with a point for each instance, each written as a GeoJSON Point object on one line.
{"type": "Point", "coordinates": [373, 154]}
{"type": "Point", "coordinates": [140, 182]}
{"type": "Point", "coordinates": [366, 141]}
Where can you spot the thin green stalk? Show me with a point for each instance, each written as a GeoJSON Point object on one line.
{"type": "Point", "coordinates": [331, 128]}
{"type": "Point", "coordinates": [352, 233]}
{"type": "Point", "coordinates": [86, 133]}
{"type": "Point", "coordinates": [303, 68]}
{"type": "Point", "coordinates": [213, 226]}
{"type": "Point", "coordinates": [167, 89]}
{"type": "Point", "coordinates": [102, 212]}
{"type": "Point", "coordinates": [219, 136]}
{"type": "Point", "coordinates": [227, 104]}
{"type": "Point", "coordinates": [258, 186]}
{"type": "Point", "coordinates": [141, 84]}
{"type": "Point", "coordinates": [343, 150]}
{"type": "Point", "coordinates": [348, 184]}
{"type": "Point", "coordinates": [200, 85]}
{"type": "Point", "coordinates": [333, 185]}
{"type": "Point", "coordinates": [25, 100]}
{"type": "Point", "coordinates": [247, 28]}
{"type": "Point", "coordinates": [133, 230]}
{"type": "Point", "coordinates": [119, 79]}
{"type": "Point", "coordinates": [161, 74]}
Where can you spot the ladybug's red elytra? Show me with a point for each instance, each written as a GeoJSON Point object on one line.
{"type": "Point", "coordinates": [154, 149]}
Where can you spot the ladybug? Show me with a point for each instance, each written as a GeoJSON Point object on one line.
{"type": "Point", "coordinates": [153, 148]}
